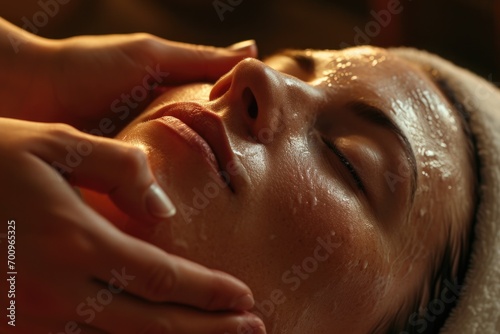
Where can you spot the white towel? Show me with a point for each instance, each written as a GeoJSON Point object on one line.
{"type": "Point", "coordinates": [478, 308]}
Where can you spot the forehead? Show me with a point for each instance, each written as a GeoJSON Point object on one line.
{"type": "Point", "coordinates": [379, 77]}
{"type": "Point", "coordinates": [368, 72]}
{"type": "Point", "coordinates": [342, 59]}
{"type": "Point", "coordinates": [362, 66]}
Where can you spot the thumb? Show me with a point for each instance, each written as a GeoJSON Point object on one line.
{"type": "Point", "coordinates": [187, 62]}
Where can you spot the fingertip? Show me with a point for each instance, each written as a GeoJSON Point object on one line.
{"type": "Point", "coordinates": [248, 47]}
{"type": "Point", "coordinates": [191, 63]}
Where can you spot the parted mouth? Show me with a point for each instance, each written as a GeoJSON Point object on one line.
{"type": "Point", "coordinates": [202, 130]}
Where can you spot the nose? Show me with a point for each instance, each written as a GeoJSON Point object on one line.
{"type": "Point", "coordinates": [256, 96]}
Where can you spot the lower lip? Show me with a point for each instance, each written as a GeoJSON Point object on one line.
{"type": "Point", "coordinates": [192, 138]}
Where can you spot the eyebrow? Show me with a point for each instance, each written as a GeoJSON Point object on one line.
{"type": "Point", "coordinates": [305, 62]}
{"type": "Point", "coordinates": [379, 118]}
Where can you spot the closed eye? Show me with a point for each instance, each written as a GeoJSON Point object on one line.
{"type": "Point", "coordinates": [350, 167]}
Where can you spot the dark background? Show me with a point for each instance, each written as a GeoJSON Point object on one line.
{"type": "Point", "coordinates": [464, 31]}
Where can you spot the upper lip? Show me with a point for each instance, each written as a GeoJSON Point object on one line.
{"type": "Point", "coordinates": [207, 124]}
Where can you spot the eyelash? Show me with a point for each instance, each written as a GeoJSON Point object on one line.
{"type": "Point", "coordinates": [346, 162]}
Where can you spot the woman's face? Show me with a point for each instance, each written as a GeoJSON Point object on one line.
{"type": "Point", "coordinates": [318, 178]}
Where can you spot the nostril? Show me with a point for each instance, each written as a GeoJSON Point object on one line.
{"type": "Point", "coordinates": [251, 102]}
{"type": "Point", "coordinates": [253, 108]}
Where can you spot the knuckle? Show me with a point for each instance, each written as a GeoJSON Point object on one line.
{"type": "Point", "coordinates": [213, 301]}
{"type": "Point", "coordinates": [60, 135]}
{"type": "Point", "coordinates": [206, 50]}
{"type": "Point", "coordinates": [160, 283]}
{"type": "Point", "coordinates": [62, 131]}
{"type": "Point", "coordinates": [144, 41]}
{"type": "Point", "coordinates": [205, 53]}
{"type": "Point", "coordinates": [203, 58]}
{"type": "Point", "coordinates": [133, 161]}
{"type": "Point", "coordinates": [143, 37]}
{"type": "Point", "coordinates": [142, 47]}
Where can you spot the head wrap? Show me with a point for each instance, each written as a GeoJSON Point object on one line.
{"type": "Point", "coordinates": [478, 307]}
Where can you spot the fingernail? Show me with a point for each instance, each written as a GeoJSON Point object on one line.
{"type": "Point", "coordinates": [243, 303]}
{"type": "Point", "coordinates": [242, 46]}
{"type": "Point", "coordinates": [158, 203]}
{"type": "Point", "coordinates": [256, 325]}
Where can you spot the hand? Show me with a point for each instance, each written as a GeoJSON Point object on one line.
{"type": "Point", "coordinates": [81, 80]}
{"type": "Point", "coordinates": [78, 271]}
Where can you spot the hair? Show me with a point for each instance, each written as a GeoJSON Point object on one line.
{"type": "Point", "coordinates": [451, 265]}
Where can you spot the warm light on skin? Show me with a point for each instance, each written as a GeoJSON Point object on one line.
{"type": "Point", "coordinates": [297, 190]}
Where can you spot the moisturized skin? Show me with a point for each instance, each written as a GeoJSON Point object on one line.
{"type": "Point", "coordinates": [331, 217]}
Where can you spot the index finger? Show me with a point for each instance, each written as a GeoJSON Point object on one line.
{"type": "Point", "coordinates": [152, 274]}
{"type": "Point", "coordinates": [188, 62]}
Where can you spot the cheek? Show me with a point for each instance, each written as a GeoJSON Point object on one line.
{"type": "Point", "coordinates": [330, 254]}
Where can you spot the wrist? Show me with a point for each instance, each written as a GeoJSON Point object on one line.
{"type": "Point", "coordinates": [23, 57]}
